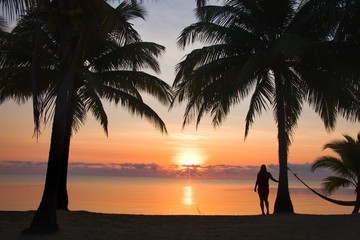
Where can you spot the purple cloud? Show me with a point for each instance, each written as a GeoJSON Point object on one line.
{"type": "Point", "coordinates": [155, 170]}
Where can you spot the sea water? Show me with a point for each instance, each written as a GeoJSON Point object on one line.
{"type": "Point", "coordinates": [164, 196]}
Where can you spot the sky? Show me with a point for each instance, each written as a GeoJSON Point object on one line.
{"type": "Point", "coordinates": [133, 143]}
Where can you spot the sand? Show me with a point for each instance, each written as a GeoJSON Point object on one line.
{"type": "Point", "coordinates": [81, 225]}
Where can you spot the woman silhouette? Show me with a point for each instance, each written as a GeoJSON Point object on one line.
{"type": "Point", "coordinates": [262, 182]}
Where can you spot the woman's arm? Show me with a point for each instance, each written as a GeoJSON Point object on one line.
{"type": "Point", "coordinates": [272, 178]}
{"type": "Point", "coordinates": [256, 184]}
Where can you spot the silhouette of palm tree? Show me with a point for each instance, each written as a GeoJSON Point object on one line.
{"type": "Point", "coordinates": [346, 167]}
{"type": "Point", "coordinates": [108, 70]}
{"type": "Point", "coordinates": [75, 21]}
{"type": "Point", "coordinates": [257, 47]}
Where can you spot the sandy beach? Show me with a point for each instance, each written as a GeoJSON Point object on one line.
{"type": "Point", "coordinates": [81, 225]}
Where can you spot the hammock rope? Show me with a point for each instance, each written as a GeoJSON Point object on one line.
{"type": "Point", "coordinates": [338, 202]}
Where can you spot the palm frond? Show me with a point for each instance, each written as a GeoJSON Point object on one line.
{"type": "Point", "coordinates": [224, 15]}
{"type": "Point", "coordinates": [135, 106]}
{"type": "Point", "coordinates": [78, 113]}
{"type": "Point", "coordinates": [139, 81]}
{"type": "Point", "coordinates": [217, 25]}
{"type": "Point", "coordinates": [317, 18]}
{"type": "Point", "coordinates": [262, 95]}
{"type": "Point", "coordinates": [207, 33]}
{"type": "Point", "coordinates": [348, 150]}
{"type": "Point", "coordinates": [132, 57]}
{"type": "Point", "coordinates": [200, 3]}
{"type": "Point", "coordinates": [333, 183]}
{"type": "Point", "coordinates": [213, 79]}
{"type": "Point", "coordinates": [125, 32]}
{"type": "Point", "coordinates": [93, 103]}
{"type": "Point", "coordinates": [14, 86]}
{"type": "Point", "coordinates": [335, 164]}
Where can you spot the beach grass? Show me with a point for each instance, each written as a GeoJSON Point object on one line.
{"type": "Point", "coordinates": [82, 225]}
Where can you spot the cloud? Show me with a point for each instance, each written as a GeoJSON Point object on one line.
{"type": "Point", "coordinates": [155, 170]}
{"type": "Point", "coordinates": [22, 167]}
{"type": "Point", "coordinates": [119, 169]}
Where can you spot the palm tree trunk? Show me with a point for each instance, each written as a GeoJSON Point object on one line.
{"type": "Point", "coordinates": [62, 194]}
{"type": "Point", "coordinates": [283, 202]}
{"type": "Point", "coordinates": [45, 217]}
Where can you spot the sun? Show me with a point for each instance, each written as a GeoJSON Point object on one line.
{"type": "Point", "coordinates": [189, 156]}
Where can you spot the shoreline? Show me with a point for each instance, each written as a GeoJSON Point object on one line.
{"type": "Point", "coordinates": [91, 226]}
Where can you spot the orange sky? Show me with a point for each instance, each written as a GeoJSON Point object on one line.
{"type": "Point", "coordinates": [134, 140]}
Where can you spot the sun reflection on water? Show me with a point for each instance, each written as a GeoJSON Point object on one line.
{"type": "Point", "coordinates": [187, 198]}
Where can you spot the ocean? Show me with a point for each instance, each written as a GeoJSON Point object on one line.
{"type": "Point", "coordinates": [164, 196]}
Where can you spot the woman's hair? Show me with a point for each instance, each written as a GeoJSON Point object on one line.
{"type": "Point", "coordinates": [263, 168]}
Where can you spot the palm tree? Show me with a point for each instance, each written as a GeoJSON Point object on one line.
{"type": "Point", "coordinates": [335, 23]}
{"type": "Point", "coordinates": [66, 16]}
{"type": "Point", "coordinates": [121, 86]}
{"type": "Point", "coordinates": [108, 71]}
{"type": "Point", "coordinates": [258, 47]}
{"type": "Point", "coordinates": [76, 22]}
{"type": "Point", "coordinates": [346, 167]}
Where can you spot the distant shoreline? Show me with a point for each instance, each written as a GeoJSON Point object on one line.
{"type": "Point", "coordinates": [90, 226]}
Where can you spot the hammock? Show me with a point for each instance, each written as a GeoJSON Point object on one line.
{"type": "Point", "coordinates": [338, 202]}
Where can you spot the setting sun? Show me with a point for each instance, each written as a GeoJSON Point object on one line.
{"type": "Point", "coordinates": [189, 156]}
